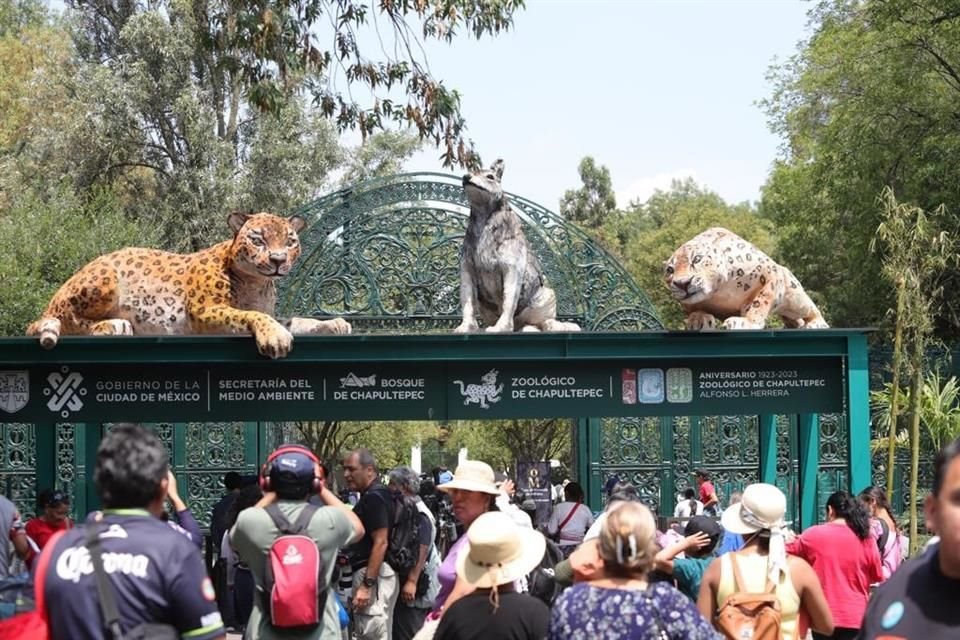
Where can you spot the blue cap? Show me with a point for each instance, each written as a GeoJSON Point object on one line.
{"type": "Point", "coordinates": [292, 470]}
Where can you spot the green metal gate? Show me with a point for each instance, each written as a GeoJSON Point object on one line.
{"type": "Point", "coordinates": [385, 254]}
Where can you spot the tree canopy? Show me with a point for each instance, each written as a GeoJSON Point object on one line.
{"type": "Point", "coordinates": [868, 101]}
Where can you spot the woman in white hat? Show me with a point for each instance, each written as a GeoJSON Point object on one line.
{"type": "Point", "coordinates": [619, 602]}
{"type": "Point", "coordinates": [763, 563]}
{"type": "Point", "coordinates": [473, 492]}
{"type": "Point", "coordinates": [498, 554]}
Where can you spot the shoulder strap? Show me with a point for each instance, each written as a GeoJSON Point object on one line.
{"type": "Point", "coordinates": [108, 604]}
{"type": "Point", "coordinates": [737, 578]}
{"type": "Point", "coordinates": [303, 520]}
{"type": "Point", "coordinates": [278, 518]}
{"type": "Point", "coordinates": [283, 524]}
{"type": "Point", "coordinates": [40, 577]}
{"type": "Point", "coordinates": [572, 511]}
{"type": "Point", "coordinates": [739, 584]}
{"type": "Point", "coordinates": [884, 536]}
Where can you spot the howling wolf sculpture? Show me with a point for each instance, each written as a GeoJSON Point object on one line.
{"type": "Point", "coordinates": [499, 276]}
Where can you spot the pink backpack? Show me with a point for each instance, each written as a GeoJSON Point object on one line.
{"type": "Point", "coordinates": [294, 590]}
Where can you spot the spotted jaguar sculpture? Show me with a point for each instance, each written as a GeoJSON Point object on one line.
{"type": "Point", "coordinates": [500, 277]}
{"type": "Point", "coordinates": [227, 288]}
{"type": "Point", "coordinates": [720, 279]}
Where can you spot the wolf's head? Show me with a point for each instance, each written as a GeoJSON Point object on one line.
{"type": "Point", "coordinates": [483, 187]}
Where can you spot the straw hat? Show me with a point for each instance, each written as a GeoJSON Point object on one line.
{"type": "Point", "coordinates": [472, 475]}
{"type": "Point", "coordinates": [499, 552]}
{"type": "Point", "coordinates": [761, 507]}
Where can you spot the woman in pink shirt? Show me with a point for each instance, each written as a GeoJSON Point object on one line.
{"type": "Point", "coordinates": [884, 528]}
{"type": "Point", "coordinates": [845, 558]}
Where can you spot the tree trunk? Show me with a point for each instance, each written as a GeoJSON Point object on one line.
{"type": "Point", "coordinates": [895, 398]}
{"type": "Point", "coordinates": [916, 370]}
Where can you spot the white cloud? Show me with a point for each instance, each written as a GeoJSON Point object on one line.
{"type": "Point", "coordinates": [642, 188]}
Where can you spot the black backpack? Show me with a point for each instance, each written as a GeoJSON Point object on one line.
{"type": "Point", "coordinates": [403, 548]}
{"type": "Point", "coordinates": [541, 581]}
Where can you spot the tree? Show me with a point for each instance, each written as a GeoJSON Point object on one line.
{"type": "Point", "coordinates": [590, 205]}
{"type": "Point", "coordinates": [44, 236]}
{"type": "Point", "coordinates": [916, 249]}
{"type": "Point", "coordinates": [868, 101]}
{"type": "Point", "coordinates": [17, 16]}
{"type": "Point", "coordinates": [390, 442]}
{"type": "Point", "coordinates": [503, 444]}
{"type": "Point", "coordinates": [382, 154]}
{"type": "Point", "coordinates": [272, 49]}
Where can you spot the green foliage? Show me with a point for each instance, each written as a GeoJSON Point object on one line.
{"type": "Point", "coordinates": [503, 444]}
{"type": "Point", "coordinates": [290, 158]}
{"type": "Point", "coordinates": [594, 202]}
{"type": "Point", "coordinates": [17, 15]}
{"type": "Point", "coordinates": [917, 248]}
{"type": "Point", "coordinates": [275, 49]}
{"type": "Point", "coordinates": [939, 413]}
{"type": "Point", "coordinates": [382, 154]}
{"type": "Point", "coordinates": [868, 101]}
{"type": "Point", "coordinates": [45, 236]}
{"type": "Point", "coordinates": [390, 442]}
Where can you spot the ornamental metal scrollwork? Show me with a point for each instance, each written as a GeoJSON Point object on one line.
{"type": "Point", "coordinates": [212, 449]}
{"type": "Point", "coordinates": [386, 254]}
{"type": "Point", "coordinates": [18, 460]}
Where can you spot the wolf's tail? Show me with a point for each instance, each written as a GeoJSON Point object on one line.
{"type": "Point", "coordinates": [48, 328]}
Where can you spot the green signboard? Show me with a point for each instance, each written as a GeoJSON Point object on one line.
{"type": "Point", "coordinates": [438, 391]}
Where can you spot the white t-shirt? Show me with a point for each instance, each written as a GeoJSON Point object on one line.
{"type": "Point", "coordinates": [575, 528]}
{"type": "Point", "coordinates": [683, 510]}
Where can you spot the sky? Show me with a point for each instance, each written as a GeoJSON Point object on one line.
{"type": "Point", "coordinates": [653, 90]}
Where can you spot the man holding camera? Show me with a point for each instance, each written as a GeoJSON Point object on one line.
{"type": "Point", "coordinates": [291, 475]}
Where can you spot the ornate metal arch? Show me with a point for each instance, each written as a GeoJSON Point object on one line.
{"type": "Point", "coordinates": [385, 252]}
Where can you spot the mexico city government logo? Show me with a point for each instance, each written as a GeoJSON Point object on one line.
{"type": "Point", "coordinates": [64, 391]}
{"type": "Point", "coordinates": [14, 390]}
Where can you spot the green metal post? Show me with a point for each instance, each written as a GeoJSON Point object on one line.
{"type": "Point", "coordinates": [668, 476]}
{"type": "Point", "coordinates": [858, 412]}
{"type": "Point", "coordinates": [588, 460]}
{"type": "Point", "coordinates": [696, 445]}
{"type": "Point", "coordinates": [767, 425]}
{"type": "Point", "coordinates": [92, 432]}
{"type": "Point", "coordinates": [45, 439]}
{"type": "Point", "coordinates": [808, 432]}
{"type": "Point", "coordinates": [263, 445]}
{"type": "Point", "coordinates": [179, 463]}
{"type": "Point", "coordinates": [251, 444]}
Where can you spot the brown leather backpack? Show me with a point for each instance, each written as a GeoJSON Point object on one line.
{"type": "Point", "coordinates": [749, 616]}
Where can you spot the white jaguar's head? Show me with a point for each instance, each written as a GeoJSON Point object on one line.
{"type": "Point", "coordinates": [692, 273]}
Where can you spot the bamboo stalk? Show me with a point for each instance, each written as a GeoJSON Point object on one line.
{"type": "Point", "coordinates": [895, 398]}
{"type": "Point", "coordinates": [917, 373]}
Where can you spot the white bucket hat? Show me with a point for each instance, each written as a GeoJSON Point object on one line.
{"type": "Point", "coordinates": [472, 475]}
{"type": "Point", "coordinates": [761, 509]}
{"type": "Point", "coordinates": [499, 551]}
{"type": "Point", "coordinates": [762, 506]}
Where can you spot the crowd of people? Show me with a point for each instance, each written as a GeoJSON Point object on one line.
{"type": "Point", "coordinates": [295, 561]}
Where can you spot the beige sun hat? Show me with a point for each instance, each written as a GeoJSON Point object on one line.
{"type": "Point", "coordinates": [761, 509]}
{"type": "Point", "coordinates": [499, 551]}
{"type": "Point", "coordinates": [472, 475]}
{"type": "Point", "coordinates": [762, 506]}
